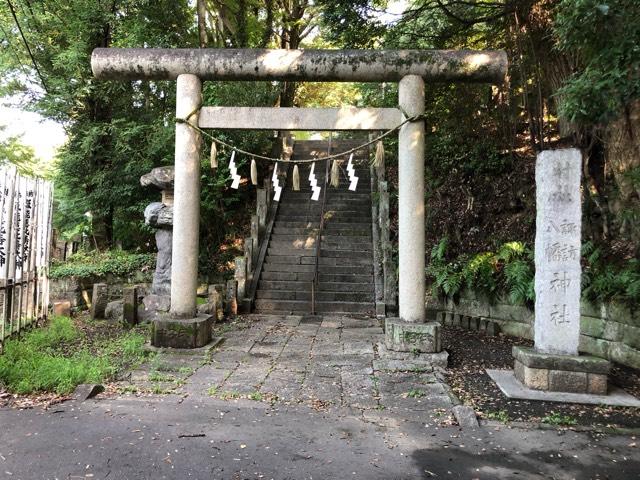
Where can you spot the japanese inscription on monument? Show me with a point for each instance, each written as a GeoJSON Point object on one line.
{"type": "Point", "coordinates": [557, 251]}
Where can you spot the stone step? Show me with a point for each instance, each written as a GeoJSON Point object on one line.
{"type": "Point", "coordinates": [322, 269]}
{"type": "Point", "coordinates": [309, 225]}
{"type": "Point", "coordinates": [346, 278]}
{"type": "Point", "coordinates": [348, 245]}
{"type": "Point", "coordinates": [322, 151]}
{"type": "Point", "coordinates": [287, 267]}
{"type": "Point", "coordinates": [363, 232]}
{"type": "Point", "coordinates": [345, 196]}
{"type": "Point", "coordinates": [310, 260]}
{"type": "Point", "coordinates": [333, 198]}
{"type": "Point", "coordinates": [363, 178]}
{"type": "Point", "coordinates": [355, 297]}
{"type": "Point", "coordinates": [333, 217]}
{"type": "Point", "coordinates": [344, 253]}
{"type": "Point", "coordinates": [294, 286]}
{"type": "Point", "coordinates": [323, 286]}
{"type": "Point", "coordinates": [290, 252]}
{"type": "Point", "coordinates": [365, 287]}
{"type": "Point", "coordinates": [286, 276]}
{"type": "Point", "coordinates": [293, 248]}
{"type": "Point", "coordinates": [329, 227]}
{"type": "Point", "coordinates": [364, 186]}
{"type": "Point", "coordinates": [298, 306]}
{"type": "Point", "coordinates": [326, 239]}
{"type": "Point", "coordinates": [298, 245]}
{"type": "Point", "coordinates": [314, 211]}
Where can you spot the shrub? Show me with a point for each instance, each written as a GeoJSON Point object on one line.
{"type": "Point", "coordinates": [510, 271]}
{"type": "Point", "coordinates": [95, 264]}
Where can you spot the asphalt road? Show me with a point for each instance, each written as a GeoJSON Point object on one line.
{"type": "Point", "coordinates": [169, 437]}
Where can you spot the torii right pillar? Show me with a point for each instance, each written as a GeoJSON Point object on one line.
{"type": "Point", "coordinates": [410, 332]}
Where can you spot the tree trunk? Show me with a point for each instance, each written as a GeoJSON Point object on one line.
{"type": "Point", "coordinates": [622, 152]}
{"type": "Point", "coordinates": [202, 22]}
{"type": "Point", "coordinates": [268, 29]}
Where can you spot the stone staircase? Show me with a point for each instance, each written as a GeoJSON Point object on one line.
{"type": "Point", "coordinates": [345, 265]}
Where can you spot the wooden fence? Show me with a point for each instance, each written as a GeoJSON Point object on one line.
{"type": "Point", "coordinates": [25, 239]}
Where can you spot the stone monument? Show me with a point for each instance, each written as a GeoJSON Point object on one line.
{"type": "Point", "coordinates": [159, 215]}
{"type": "Point", "coordinates": [554, 363]}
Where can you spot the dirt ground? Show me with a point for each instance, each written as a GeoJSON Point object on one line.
{"type": "Point", "coordinates": [471, 352]}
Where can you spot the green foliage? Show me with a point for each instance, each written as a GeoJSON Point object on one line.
{"type": "Point", "coordinates": [14, 152]}
{"type": "Point", "coordinates": [98, 264]}
{"type": "Point", "coordinates": [555, 418]}
{"type": "Point", "coordinates": [55, 359]}
{"type": "Point", "coordinates": [508, 271]}
{"type": "Point", "coordinates": [116, 130]}
{"type": "Point", "coordinates": [605, 36]}
{"type": "Point", "coordinates": [352, 23]}
{"type": "Point", "coordinates": [459, 147]}
{"type": "Point", "coordinates": [605, 280]}
{"type": "Point", "coordinates": [500, 415]}
{"type": "Point", "coordinates": [415, 393]}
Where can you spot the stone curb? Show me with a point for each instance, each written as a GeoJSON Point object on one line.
{"type": "Point", "coordinates": [574, 428]}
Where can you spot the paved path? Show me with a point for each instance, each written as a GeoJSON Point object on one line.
{"type": "Point", "coordinates": [284, 399]}
{"type": "Point", "coordinates": [324, 363]}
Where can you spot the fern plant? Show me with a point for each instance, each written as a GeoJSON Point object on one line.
{"type": "Point", "coordinates": [510, 271]}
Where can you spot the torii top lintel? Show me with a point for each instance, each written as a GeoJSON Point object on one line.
{"type": "Point", "coordinates": [299, 65]}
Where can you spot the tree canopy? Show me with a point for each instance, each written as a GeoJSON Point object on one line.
{"type": "Point", "coordinates": [573, 80]}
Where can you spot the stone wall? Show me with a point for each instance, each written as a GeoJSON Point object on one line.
{"type": "Point", "coordinates": [78, 290]}
{"type": "Point", "coordinates": [609, 331]}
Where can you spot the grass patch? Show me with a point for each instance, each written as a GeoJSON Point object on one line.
{"type": "Point", "coordinates": [501, 416]}
{"type": "Point", "coordinates": [415, 393]}
{"type": "Point", "coordinates": [255, 396]}
{"type": "Point", "coordinates": [60, 356]}
{"type": "Point", "coordinates": [161, 377]}
{"type": "Point", "coordinates": [229, 395]}
{"type": "Point", "coordinates": [558, 419]}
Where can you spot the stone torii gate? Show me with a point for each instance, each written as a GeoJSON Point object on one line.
{"type": "Point", "coordinates": [411, 68]}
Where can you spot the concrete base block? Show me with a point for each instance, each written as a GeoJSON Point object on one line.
{"type": "Point", "coordinates": [393, 361]}
{"type": "Point", "coordinates": [401, 336]}
{"type": "Point", "coordinates": [561, 373]}
{"type": "Point", "coordinates": [513, 388]}
{"type": "Point", "coordinates": [181, 333]}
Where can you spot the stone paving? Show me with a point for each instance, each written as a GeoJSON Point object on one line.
{"type": "Point", "coordinates": [322, 362]}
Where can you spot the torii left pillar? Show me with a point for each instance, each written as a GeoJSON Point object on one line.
{"type": "Point", "coordinates": [184, 328]}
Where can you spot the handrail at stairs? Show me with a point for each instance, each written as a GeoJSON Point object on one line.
{"type": "Point", "coordinates": [314, 283]}
{"type": "Point", "coordinates": [272, 212]}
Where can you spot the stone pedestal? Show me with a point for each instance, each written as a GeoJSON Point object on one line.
{"type": "Point", "coordinates": [401, 336]}
{"type": "Point", "coordinates": [99, 300]}
{"type": "Point", "coordinates": [130, 307]}
{"type": "Point", "coordinates": [171, 332]}
{"type": "Point", "coordinates": [561, 373]}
